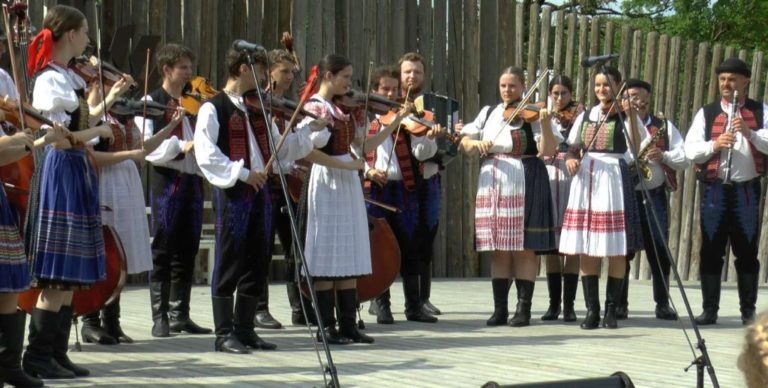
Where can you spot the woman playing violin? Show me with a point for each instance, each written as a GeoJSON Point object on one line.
{"type": "Point", "coordinates": [561, 279]}
{"type": "Point", "coordinates": [601, 218]}
{"type": "Point", "coordinates": [513, 215]}
{"type": "Point", "coordinates": [337, 245]}
{"type": "Point", "coordinates": [67, 255]}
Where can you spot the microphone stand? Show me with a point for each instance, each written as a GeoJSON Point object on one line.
{"type": "Point", "coordinates": [330, 369]}
{"type": "Point", "coordinates": [703, 360]}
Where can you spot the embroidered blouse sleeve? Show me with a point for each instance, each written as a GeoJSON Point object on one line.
{"type": "Point", "coordinates": [697, 150]}
{"type": "Point", "coordinates": [319, 138]}
{"type": "Point", "coordinates": [574, 137]}
{"type": "Point", "coordinates": [475, 128]}
{"type": "Point", "coordinates": [675, 157]}
{"type": "Point", "coordinates": [297, 144]}
{"type": "Point", "coordinates": [54, 96]}
{"type": "Point", "coordinates": [217, 168]}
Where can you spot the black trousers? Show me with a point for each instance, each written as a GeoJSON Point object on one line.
{"type": "Point", "coordinates": [243, 240]}
{"type": "Point", "coordinates": [429, 216]}
{"type": "Point", "coordinates": [655, 251]}
{"type": "Point", "coordinates": [177, 220]}
{"type": "Point", "coordinates": [730, 212]}
{"type": "Point", "coordinates": [282, 225]}
{"type": "Point", "coordinates": [404, 224]}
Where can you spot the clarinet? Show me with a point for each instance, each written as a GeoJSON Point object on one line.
{"type": "Point", "coordinates": [729, 159]}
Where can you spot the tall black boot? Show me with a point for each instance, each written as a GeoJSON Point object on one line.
{"type": "Point", "coordinates": [661, 297]}
{"type": "Point", "coordinates": [710, 292]}
{"type": "Point", "coordinates": [591, 287]}
{"type": "Point", "coordinates": [613, 292]}
{"type": "Point", "coordinates": [522, 315]}
{"type": "Point", "coordinates": [38, 359]}
{"type": "Point", "coordinates": [622, 302]}
{"type": "Point", "coordinates": [11, 344]}
{"type": "Point", "coordinates": [158, 296]}
{"type": "Point", "coordinates": [93, 332]}
{"type": "Point", "coordinates": [747, 285]}
{"type": "Point", "coordinates": [295, 297]}
{"type": "Point", "coordinates": [264, 319]}
{"type": "Point", "coordinates": [413, 305]}
{"type": "Point", "coordinates": [347, 300]}
{"type": "Point", "coordinates": [425, 291]}
{"type": "Point", "coordinates": [178, 312]}
{"type": "Point", "coordinates": [326, 303]}
{"type": "Point", "coordinates": [382, 308]}
{"type": "Point", "coordinates": [223, 319]}
{"type": "Point", "coordinates": [61, 343]}
{"type": "Point", "coordinates": [110, 320]}
{"type": "Point", "coordinates": [245, 311]}
{"type": "Point", "coordinates": [570, 285]}
{"type": "Point", "coordinates": [555, 288]}
{"type": "Point", "coordinates": [500, 315]}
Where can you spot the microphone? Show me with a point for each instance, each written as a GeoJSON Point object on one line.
{"type": "Point", "coordinates": [241, 45]}
{"type": "Point", "coordinates": [599, 59]}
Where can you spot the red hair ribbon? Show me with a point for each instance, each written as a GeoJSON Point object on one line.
{"type": "Point", "coordinates": [311, 87]}
{"type": "Point", "coordinates": [40, 51]}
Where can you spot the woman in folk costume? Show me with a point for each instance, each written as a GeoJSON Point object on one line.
{"type": "Point", "coordinates": [67, 246]}
{"type": "Point", "coordinates": [602, 219]}
{"type": "Point", "coordinates": [513, 210]}
{"type": "Point", "coordinates": [337, 246]}
{"type": "Point", "coordinates": [562, 271]}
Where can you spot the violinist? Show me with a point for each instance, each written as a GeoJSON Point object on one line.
{"type": "Point", "coordinates": [176, 195]}
{"type": "Point", "coordinates": [392, 169]}
{"type": "Point", "coordinates": [412, 72]}
{"type": "Point", "coordinates": [232, 150]}
{"type": "Point", "coordinates": [122, 197]}
{"type": "Point", "coordinates": [337, 246]}
{"type": "Point", "coordinates": [562, 274]}
{"type": "Point", "coordinates": [66, 255]}
{"type": "Point", "coordinates": [664, 157]}
{"type": "Point", "coordinates": [601, 218]}
{"type": "Point", "coordinates": [513, 210]}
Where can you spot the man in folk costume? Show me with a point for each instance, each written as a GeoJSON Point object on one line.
{"type": "Point", "coordinates": [730, 196]}
{"type": "Point", "coordinates": [232, 150]}
{"type": "Point", "coordinates": [176, 197]}
{"type": "Point", "coordinates": [392, 171]}
{"type": "Point", "coordinates": [412, 73]}
{"type": "Point", "coordinates": [664, 158]}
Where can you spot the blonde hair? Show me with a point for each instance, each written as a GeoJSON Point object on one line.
{"type": "Point", "coordinates": [753, 361]}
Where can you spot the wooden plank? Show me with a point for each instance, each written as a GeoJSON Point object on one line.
{"type": "Point", "coordinates": [743, 54]}
{"type": "Point", "coordinates": [328, 29]}
{"type": "Point", "coordinates": [341, 38]}
{"type": "Point", "coordinates": [533, 43]}
{"type": "Point", "coordinates": [546, 26]}
{"type": "Point", "coordinates": [650, 57]}
{"type": "Point", "coordinates": [625, 49]}
{"type": "Point", "coordinates": [670, 107]}
{"type": "Point", "coordinates": [557, 56]}
{"type": "Point", "coordinates": [411, 26]}
{"type": "Point", "coordinates": [284, 10]}
{"type": "Point", "coordinates": [358, 46]}
{"type": "Point", "coordinates": [489, 46]}
{"type": "Point", "coordinates": [660, 85]}
{"type": "Point", "coordinates": [174, 32]}
{"type": "Point", "coordinates": [637, 54]}
{"type": "Point", "coordinates": [269, 34]}
{"type": "Point", "coordinates": [519, 34]}
{"type": "Point", "coordinates": [299, 26]}
{"type": "Point", "coordinates": [609, 36]}
{"type": "Point", "coordinates": [581, 80]}
{"type": "Point", "coordinates": [256, 14]}
{"type": "Point", "coordinates": [371, 32]}
{"type": "Point", "coordinates": [506, 22]}
{"type": "Point", "coordinates": [192, 16]}
{"type": "Point", "coordinates": [425, 42]}
{"type": "Point", "coordinates": [314, 32]}
{"type": "Point", "coordinates": [469, 259]}
{"type": "Point", "coordinates": [384, 52]}
{"type": "Point", "coordinates": [398, 32]}
{"type": "Point", "coordinates": [439, 33]}
{"type": "Point", "coordinates": [594, 49]}
{"type": "Point", "coordinates": [717, 58]}
{"type": "Point", "coordinates": [757, 70]}
{"type": "Point", "coordinates": [729, 52]}
{"type": "Point", "coordinates": [570, 43]}
{"type": "Point", "coordinates": [440, 74]}
{"type": "Point", "coordinates": [453, 178]}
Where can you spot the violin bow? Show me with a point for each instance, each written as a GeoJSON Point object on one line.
{"type": "Point", "coordinates": [97, 19]}
{"type": "Point", "coordinates": [603, 119]}
{"type": "Point", "coordinates": [523, 102]}
{"type": "Point", "coordinates": [365, 108]}
{"type": "Point", "coordinates": [146, 91]}
{"type": "Point", "coordinates": [290, 125]}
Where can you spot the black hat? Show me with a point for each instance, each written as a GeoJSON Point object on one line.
{"type": "Point", "coordinates": [734, 65]}
{"type": "Point", "coordinates": [638, 83]}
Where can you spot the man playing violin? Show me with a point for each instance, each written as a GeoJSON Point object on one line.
{"type": "Point", "coordinates": [394, 182]}
{"type": "Point", "coordinates": [176, 195]}
{"type": "Point", "coordinates": [232, 142]}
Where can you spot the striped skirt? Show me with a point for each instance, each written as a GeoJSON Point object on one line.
{"type": "Point", "coordinates": [14, 268]}
{"type": "Point", "coordinates": [602, 217]}
{"type": "Point", "coordinates": [69, 241]}
{"type": "Point", "coordinates": [513, 208]}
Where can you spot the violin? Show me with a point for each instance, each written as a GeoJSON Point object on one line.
{"type": "Point", "coordinates": [528, 112]}
{"type": "Point", "coordinates": [126, 107]}
{"type": "Point", "coordinates": [277, 105]}
{"type": "Point", "coordinates": [88, 69]}
{"type": "Point", "coordinates": [354, 100]}
{"type": "Point", "coordinates": [566, 115]}
{"type": "Point", "coordinates": [195, 93]}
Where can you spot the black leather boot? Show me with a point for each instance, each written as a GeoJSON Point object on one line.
{"type": "Point", "coordinates": [500, 315]}
{"type": "Point", "coordinates": [93, 332]}
{"type": "Point", "coordinates": [622, 302]}
{"type": "Point", "coordinates": [264, 319]}
{"type": "Point", "coordinates": [710, 292]}
{"type": "Point", "coordinates": [347, 300]}
{"type": "Point", "coordinates": [522, 315]}
{"type": "Point", "coordinates": [223, 320]}
{"type": "Point", "coordinates": [61, 343]}
{"type": "Point", "coordinates": [178, 312]}
{"type": "Point", "coordinates": [555, 288]}
{"type": "Point", "coordinates": [110, 320]}
{"type": "Point", "coordinates": [661, 297]}
{"type": "Point", "coordinates": [326, 304]}
{"type": "Point", "coordinates": [413, 306]}
{"type": "Point", "coordinates": [613, 291]}
{"type": "Point", "coordinates": [570, 285]}
{"type": "Point", "coordinates": [294, 299]}
{"type": "Point", "coordinates": [245, 310]}
{"type": "Point", "coordinates": [425, 291]}
{"type": "Point", "coordinates": [382, 308]}
{"type": "Point", "coordinates": [747, 286]}
{"type": "Point", "coordinates": [11, 344]}
{"type": "Point", "coordinates": [591, 287]}
{"type": "Point", "coordinates": [38, 359]}
{"type": "Point", "coordinates": [158, 296]}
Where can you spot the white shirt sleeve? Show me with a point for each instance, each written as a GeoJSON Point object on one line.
{"type": "Point", "coordinates": [297, 143]}
{"type": "Point", "coordinates": [675, 157]}
{"type": "Point", "coordinates": [423, 147]}
{"type": "Point", "coordinates": [217, 168]}
{"type": "Point", "coordinates": [474, 129]}
{"type": "Point", "coordinates": [574, 136]}
{"type": "Point", "coordinates": [697, 150]}
{"type": "Point", "coordinates": [759, 137]}
{"type": "Point", "coordinates": [55, 96]}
